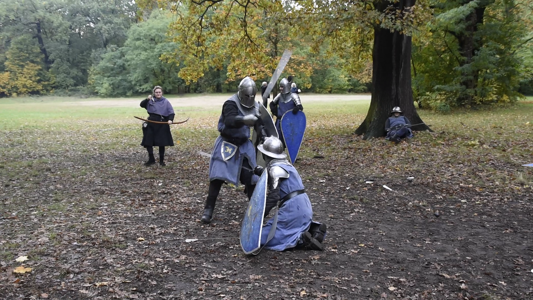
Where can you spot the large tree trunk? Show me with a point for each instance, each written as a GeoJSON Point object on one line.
{"type": "Point", "coordinates": [469, 45]}
{"type": "Point", "coordinates": [391, 80]}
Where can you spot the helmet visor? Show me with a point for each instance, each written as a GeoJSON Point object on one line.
{"type": "Point", "coordinates": [247, 98]}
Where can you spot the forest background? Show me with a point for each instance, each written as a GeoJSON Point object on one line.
{"type": "Point", "coordinates": [117, 48]}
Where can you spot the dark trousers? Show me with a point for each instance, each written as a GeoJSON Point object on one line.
{"type": "Point", "coordinates": [216, 184]}
{"type": "Point", "coordinates": [151, 157]}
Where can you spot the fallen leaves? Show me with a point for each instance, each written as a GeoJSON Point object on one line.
{"type": "Point", "coordinates": [22, 270]}
{"type": "Point", "coordinates": [100, 284]}
{"type": "Point", "coordinates": [21, 259]}
{"type": "Point", "coordinates": [99, 223]}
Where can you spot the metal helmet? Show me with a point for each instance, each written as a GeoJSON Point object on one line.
{"type": "Point", "coordinates": [272, 147]}
{"type": "Point", "coordinates": [396, 109]}
{"type": "Point", "coordinates": [284, 86]}
{"type": "Point", "coordinates": [247, 92]}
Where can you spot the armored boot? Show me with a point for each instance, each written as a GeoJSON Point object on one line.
{"type": "Point", "coordinates": [208, 215]}
{"type": "Point", "coordinates": [318, 231]}
{"type": "Point", "coordinates": [310, 243]}
{"type": "Point", "coordinates": [209, 208]}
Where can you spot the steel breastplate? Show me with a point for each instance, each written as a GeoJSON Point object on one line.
{"type": "Point", "coordinates": [285, 98]}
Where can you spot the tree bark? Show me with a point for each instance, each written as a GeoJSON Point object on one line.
{"type": "Point", "coordinates": [39, 36]}
{"type": "Point", "coordinates": [469, 45]}
{"type": "Point", "coordinates": [391, 80]}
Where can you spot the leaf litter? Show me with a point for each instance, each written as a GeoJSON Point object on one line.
{"type": "Point", "coordinates": [98, 224]}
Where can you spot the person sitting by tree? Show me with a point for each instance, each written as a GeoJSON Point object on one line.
{"type": "Point", "coordinates": [294, 227]}
{"type": "Point", "coordinates": [397, 126]}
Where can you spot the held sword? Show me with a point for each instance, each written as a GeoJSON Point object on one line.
{"type": "Point", "coordinates": [281, 65]}
{"type": "Point", "coordinates": [158, 122]}
{"type": "Point", "coordinates": [405, 126]}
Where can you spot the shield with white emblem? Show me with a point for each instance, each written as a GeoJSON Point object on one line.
{"type": "Point", "coordinates": [228, 150]}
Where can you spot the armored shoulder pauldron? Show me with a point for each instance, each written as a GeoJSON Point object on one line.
{"type": "Point", "coordinates": [276, 173]}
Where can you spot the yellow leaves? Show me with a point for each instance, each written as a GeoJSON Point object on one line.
{"type": "Point", "coordinates": [21, 270]}
{"type": "Point", "coordinates": [473, 143]}
{"type": "Point", "coordinates": [5, 84]}
{"type": "Point", "coordinates": [100, 284]}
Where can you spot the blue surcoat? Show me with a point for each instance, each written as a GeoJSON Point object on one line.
{"type": "Point", "coordinates": [294, 216]}
{"type": "Point", "coordinates": [227, 157]}
{"type": "Point", "coordinates": [398, 133]}
{"type": "Point", "coordinates": [283, 107]}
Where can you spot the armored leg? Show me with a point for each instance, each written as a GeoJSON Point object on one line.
{"type": "Point", "coordinates": [214, 189]}
{"type": "Point", "coordinates": [162, 155]}
{"type": "Point", "coordinates": [151, 158]}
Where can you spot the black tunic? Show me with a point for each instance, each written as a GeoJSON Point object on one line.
{"type": "Point", "coordinates": [156, 134]}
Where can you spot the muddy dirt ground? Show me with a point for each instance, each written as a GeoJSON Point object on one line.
{"type": "Point", "coordinates": [97, 224]}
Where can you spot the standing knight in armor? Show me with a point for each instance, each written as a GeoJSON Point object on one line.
{"type": "Point", "coordinates": [234, 158]}
{"type": "Point", "coordinates": [294, 227]}
{"type": "Point", "coordinates": [284, 102]}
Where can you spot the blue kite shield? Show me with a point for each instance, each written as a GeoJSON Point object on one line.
{"type": "Point", "coordinates": [293, 130]}
{"type": "Point", "coordinates": [252, 224]}
{"type": "Point", "coordinates": [228, 150]}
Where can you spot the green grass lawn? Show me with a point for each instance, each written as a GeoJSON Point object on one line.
{"type": "Point", "coordinates": [503, 134]}
{"type": "Point", "coordinates": [43, 116]}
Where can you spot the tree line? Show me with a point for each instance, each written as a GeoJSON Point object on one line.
{"type": "Point", "coordinates": [464, 53]}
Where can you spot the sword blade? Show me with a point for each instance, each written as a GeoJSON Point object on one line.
{"type": "Point", "coordinates": [281, 65]}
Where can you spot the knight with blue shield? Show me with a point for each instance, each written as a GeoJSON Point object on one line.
{"type": "Point", "coordinates": [294, 226]}
{"type": "Point", "coordinates": [234, 158]}
{"type": "Point", "coordinates": [283, 102]}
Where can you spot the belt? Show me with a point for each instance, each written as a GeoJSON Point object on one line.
{"type": "Point", "coordinates": [290, 196]}
{"type": "Point", "coordinates": [161, 117]}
